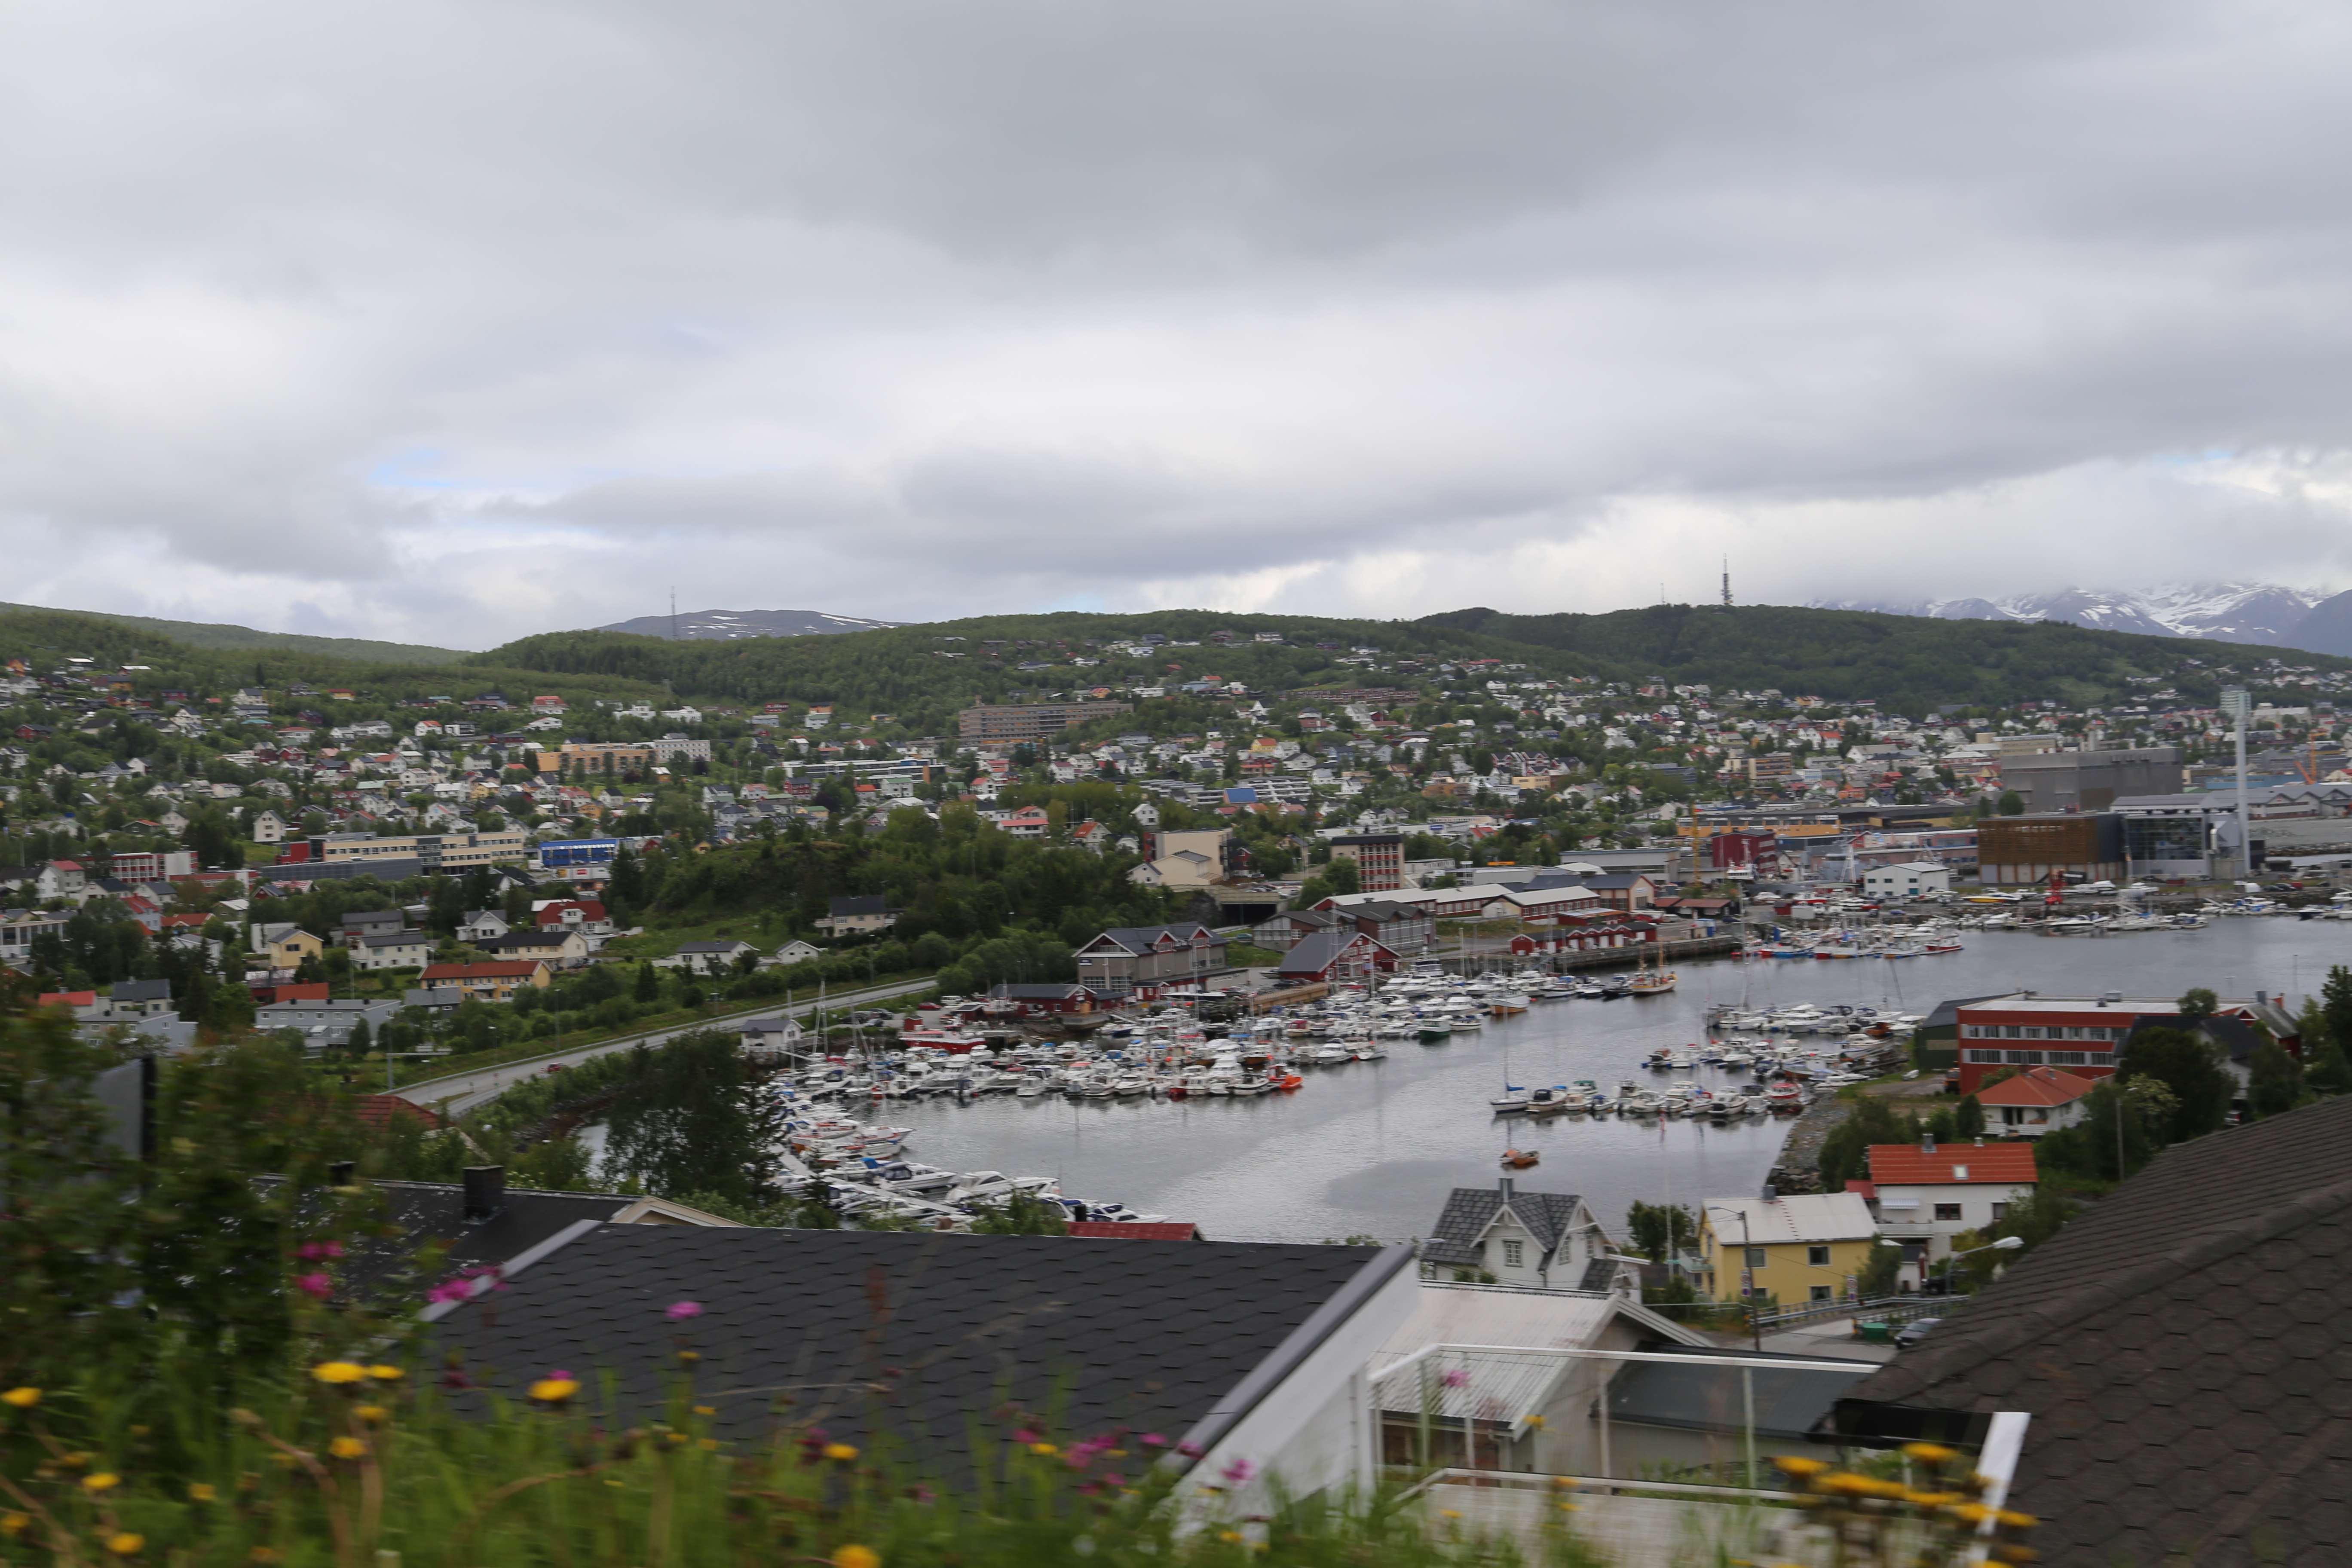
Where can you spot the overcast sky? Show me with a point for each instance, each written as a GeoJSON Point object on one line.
{"type": "Point", "coordinates": [454, 322]}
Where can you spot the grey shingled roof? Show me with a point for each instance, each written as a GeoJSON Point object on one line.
{"type": "Point", "coordinates": [921, 1333]}
{"type": "Point", "coordinates": [2185, 1353]}
{"type": "Point", "coordinates": [1470, 1210]}
{"type": "Point", "coordinates": [1318, 950]}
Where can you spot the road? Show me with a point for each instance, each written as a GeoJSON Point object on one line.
{"type": "Point", "coordinates": [460, 1093]}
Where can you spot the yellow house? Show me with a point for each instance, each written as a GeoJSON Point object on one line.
{"type": "Point", "coordinates": [285, 944]}
{"type": "Point", "coordinates": [1804, 1248]}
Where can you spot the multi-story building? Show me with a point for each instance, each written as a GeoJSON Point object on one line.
{"type": "Point", "coordinates": [2089, 781]}
{"type": "Point", "coordinates": [2015, 849]}
{"type": "Point", "coordinates": [1924, 1194]}
{"type": "Point", "coordinates": [1378, 858]}
{"type": "Point", "coordinates": [1001, 724]}
{"type": "Point", "coordinates": [437, 851]}
{"type": "Point", "coordinates": [154, 864]}
{"type": "Point", "coordinates": [495, 982]}
{"type": "Point", "coordinates": [1132, 958]}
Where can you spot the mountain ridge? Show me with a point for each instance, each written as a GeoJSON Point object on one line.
{"type": "Point", "coordinates": [2265, 614]}
{"type": "Point", "coordinates": [730, 626]}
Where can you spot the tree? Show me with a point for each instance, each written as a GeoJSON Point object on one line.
{"type": "Point", "coordinates": [2336, 1005]}
{"type": "Point", "coordinates": [2189, 1066]}
{"type": "Point", "coordinates": [2198, 1003]}
{"type": "Point", "coordinates": [1657, 1228]}
{"type": "Point", "coordinates": [2273, 1081]}
{"type": "Point", "coordinates": [2012, 804]}
{"type": "Point", "coordinates": [1879, 1272]}
{"type": "Point", "coordinates": [362, 1040]}
{"type": "Point", "coordinates": [648, 985]}
{"type": "Point", "coordinates": [1845, 1153]}
{"type": "Point", "coordinates": [2111, 1141]}
{"type": "Point", "coordinates": [1023, 1214]}
{"type": "Point", "coordinates": [693, 1122]}
{"type": "Point", "coordinates": [1969, 1117]}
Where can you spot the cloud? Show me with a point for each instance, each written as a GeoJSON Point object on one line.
{"type": "Point", "coordinates": [452, 323]}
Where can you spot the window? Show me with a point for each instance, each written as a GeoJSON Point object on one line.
{"type": "Point", "coordinates": [2068, 1058]}
{"type": "Point", "coordinates": [2000, 1213]}
{"type": "Point", "coordinates": [2027, 1058]}
{"type": "Point", "coordinates": [1947, 1210]}
{"type": "Point", "coordinates": [1512, 1252]}
{"type": "Point", "coordinates": [2011, 1116]}
{"type": "Point", "coordinates": [2033, 1032]}
{"type": "Point", "coordinates": [1821, 1293]}
{"type": "Point", "coordinates": [1982, 1055]}
{"type": "Point", "coordinates": [1757, 1258]}
{"type": "Point", "coordinates": [1818, 1256]}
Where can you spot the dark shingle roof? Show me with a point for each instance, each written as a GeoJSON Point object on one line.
{"type": "Point", "coordinates": [1470, 1210]}
{"type": "Point", "coordinates": [858, 904]}
{"type": "Point", "coordinates": [944, 1329]}
{"type": "Point", "coordinates": [2182, 1349]}
{"type": "Point", "coordinates": [141, 991]}
{"type": "Point", "coordinates": [1318, 949]}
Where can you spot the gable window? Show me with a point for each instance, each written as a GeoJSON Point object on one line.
{"type": "Point", "coordinates": [1818, 1256]}
{"type": "Point", "coordinates": [1514, 1253]}
{"type": "Point", "coordinates": [1947, 1210]}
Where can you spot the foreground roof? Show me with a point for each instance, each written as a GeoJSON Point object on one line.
{"type": "Point", "coordinates": [2184, 1352]}
{"type": "Point", "coordinates": [919, 1333]}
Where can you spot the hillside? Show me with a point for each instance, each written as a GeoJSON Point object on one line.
{"type": "Point", "coordinates": [1906, 662]}
{"type": "Point", "coordinates": [925, 672]}
{"type": "Point", "coordinates": [725, 625]}
{"type": "Point", "coordinates": [202, 634]}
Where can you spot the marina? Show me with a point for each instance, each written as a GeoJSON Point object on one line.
{"type": "Point", "coordinates": [1369, 1146]}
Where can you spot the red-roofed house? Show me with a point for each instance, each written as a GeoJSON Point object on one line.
{"type": "Point", "coordinates": [1135, 1230]}
{"type": "Point", "coordinates": [2035, 1101]}
{"type": "Point", "coordinates": [1926, 1193]}
{"type": "Point", "coordinates": [378, 1109]}
{"type": "Point", "coordinates": [587, 915]}
{"type": "Point", "coordinates": [83, 1003]}
{"type": "Point", "coordinates": [315, 990]}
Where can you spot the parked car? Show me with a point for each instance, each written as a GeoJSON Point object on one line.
{"type": "Point", "coordinates": [1917, 1329]}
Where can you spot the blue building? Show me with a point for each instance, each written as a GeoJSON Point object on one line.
{"type": "Point", "coordinates": [562, 854]}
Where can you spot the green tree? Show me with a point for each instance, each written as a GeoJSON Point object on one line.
{"type": "Point", "coordinates": [693, 1122]}
{"type": "Point", "coordinates": [2111, 1141]}
{"type": "Point", "coordinates": [1658, 1228]}
{"type": "Point", "coordinates": [2188, 1065]}
{"type": "Point", "coordinates": [1969, 1117]}
{"type": "Point", "coordinates": [1023, 1214]}
{"type": "Point", "coordinates": [1879, 1273]}
{"type": "Point", "coordinates": [2273, 1081]}
{"type": "Point", "coordinates": [2198, 1003]}
{"type": "Point", "coordinates": [2336, 1004]}
{"type": "Point", "coordinates": [1845, 1153]}
{"type": "Point", "coordinates": [648, 985]}
{"type": "Point", "coordinates": [2012, 804]}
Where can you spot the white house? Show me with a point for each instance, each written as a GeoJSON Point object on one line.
{"type": "Point", "coordinates": [1908, 880]}
{"type": "Point", "coordinates": [1542, 1240]}
{"type": "Point", "coordinates": [1924, 1195]}
{"type": "Point", "coordinates": [268, 827]}
{"type": "Point", "coordinates": [2037, 1100]}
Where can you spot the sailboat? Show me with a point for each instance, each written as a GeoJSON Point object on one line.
{"type": "Point", "coordinates": [1650, 982]}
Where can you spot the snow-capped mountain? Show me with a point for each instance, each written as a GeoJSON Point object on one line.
{"type": "Point", "coordinates": [721, 624]}
{"type": "Point", "coordinates": [2224, 612]}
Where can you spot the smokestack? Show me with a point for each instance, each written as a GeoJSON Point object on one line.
{"type": "Point", "coordinates": [485, 1193]}
{"type": "Point", "coordinates": [1926, 1145]}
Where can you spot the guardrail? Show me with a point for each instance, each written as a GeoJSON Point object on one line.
{"type": "Point", "coordinates": [1885, 1309]}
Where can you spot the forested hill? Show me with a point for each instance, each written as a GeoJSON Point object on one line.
{"type": "Point", "coordinates": [936, 668]}
{"type": "Point", "coordinates": [1903, 662]}
{"type": "Point", "coordinates": [215, 635]}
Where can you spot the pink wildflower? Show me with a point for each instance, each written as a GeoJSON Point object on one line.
{"type": "Point", "coordinates": [316, 1285]}
{"type": "Point", "coordinates": [1457, 1378]}
{"type": "Point", "coordinates": [1024, 1434]}
{"type": "Point", "coordinates": [678, 1311]}
{"type": "Point", "coordinates": [1238, 1471]}
{"type": "Point", "coordinates": [450, 1290]}
{"type": "Point", "coordinates": [1152, 1440]}
{"type": "Point", "coordinates": [317, 1249]}
{"type": "Point", "coordinates": [1190, 1450]}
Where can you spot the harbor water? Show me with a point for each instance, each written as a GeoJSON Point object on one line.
{"type": "Point", "coordinates": [1371, 1148]}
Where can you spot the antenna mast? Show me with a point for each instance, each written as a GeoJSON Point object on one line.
{"type": "Point", "coordinates": [673, 614]}
{"type": "Point", "coordinates": [1727, 582]}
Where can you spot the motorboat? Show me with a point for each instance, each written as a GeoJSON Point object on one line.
{"type": "Point", "coordinates": [1519, 1159]}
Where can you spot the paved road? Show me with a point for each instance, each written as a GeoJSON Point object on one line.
{"type": "Point", "coordinates": [461, 1092]}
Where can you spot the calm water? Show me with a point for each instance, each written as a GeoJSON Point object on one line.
{"type": "Point", "coordinates": [1371, 1148]}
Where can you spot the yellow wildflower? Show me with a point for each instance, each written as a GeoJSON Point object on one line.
{"type": "Point", "coordinates": [339, 1371]}
{"type": "Point", "coordinates": [841, 1452]}
{"type": "Point", "coordinates": [1565, 1507]}
{"type": "Point", "coordinates": [122, 1544]}
{"type": "Point", "coordinates": [1928, 1453]}
{"type": "Point", "coordinates": [22, 1398]}
{"type": "Point", "coordinates": [674, 1436]}
{"type": "Point", "coordinates": [1565, 1483]}
{"type": "Point", "coordinates": [1536, 1422]}
{"type": "Point", "coordinates": [201, 1491]}
{"type": "Point", "coordinates": [1801, 1467]}
{"type": "Point", "coordinates": [2017, 1521]}
{"type": "Point", "coordinates": [263, 1554]}
{"type": "Point", "coordinates": [384, 1373]}
{"type": "Point", "coordinates": [1451, 1513]}
{"type": "Point", "coordinates": [1972, 1513]}
{"type": "Point", "coordinates": [708, 1444]}
{"type": "Point", "coordinates": [706, 1410]}
{"type": "Point", "coordinates": [74, 1461]}
{"type": "Point", "coordinates": [554, 1390]}
{"type": "Point", "coordinates": [1043, 1449]}
{"type": "Point", "coordinates": [347, 1448]}
{"type": "Point", "coordinates": [14, 1523]}
{"type": "Point", "coordinates": [1229, 1535]}
{"type": "Point", "coordinates": [102, 1481]}
{"type": "Point", "coordinates": [857, 1557]}
{"type": "Point", "coordinates": [373, 1414]}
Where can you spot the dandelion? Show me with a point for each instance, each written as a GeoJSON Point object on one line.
{"type": "Point", "coordinates": [706, 1410]}
{"type": "Point", "coordinates": [384, 1373]}
{"type": "Point", "coordinates": [105, 1480]}
{"type": "Point", "coordinates": [1233, 1535]}
{"type": "Point", "coordinates": [347, 1449]}
{"type": "Point", "coordinates": [373, 1414]}
{"type": "Point", "coordinates": [554, 1390]}
{"type": "Point", "coordinates": [1802, 1467]}
{"type": "Point", "coordinates": [1043, 1449]}
{"type": "Point", "coordinates": [122, 1544]}
{"type": "Point", "coordinates": [1450, 1513]}
{"type": "Point", "coordinates": [840, 1453]}
{"type": "Point", "coordinates": [14, 1523]}
{"type": "Point", "coordinates": [708, 1444]}
{"type": "Point", "coordinates": [201, 1491]}
{"type": "Point", "coordinates": [857, 1557]}
{"type": "Point", "coordinates": [22, 1398]}
{"type": "Point", "coordinates": [1929, 1453]}
{"type": "Point", "coordinates": [680, 1311]}
{"type": "Point", "coordinates": [339, 1371]}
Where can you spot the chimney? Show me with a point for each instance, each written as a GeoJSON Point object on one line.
{"type": "Point", "coordinates": [1772, 1194]}
{"type": "Point", "coordinates": [485, 1193]}
{"type": "Point", "coordinates": [2262, 998]}
{"type": "Point", "coordinates": [340, 1174]}
{"type": "Point", "coordinates": [1505, 1185]}
{"type": "Point", "coordinates": [1927, 1146]}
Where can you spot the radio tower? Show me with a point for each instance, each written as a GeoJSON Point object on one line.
{"type": "Point", "coordinates": [673, 607]}
{"type": "Point", "coordinates": [1727, 582]}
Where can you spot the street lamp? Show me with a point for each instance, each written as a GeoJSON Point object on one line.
{"type": "Point", "coordinates": [2006, 1243]}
